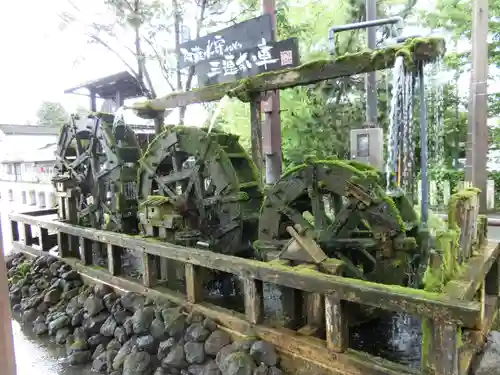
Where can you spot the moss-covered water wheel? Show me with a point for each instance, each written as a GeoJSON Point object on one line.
{"type": "Point", "coordinates": [101, 157]}
{"type": "Point", "coordinates": [349, 216]}
{"type": "Point", "coordinates": [207, 179]}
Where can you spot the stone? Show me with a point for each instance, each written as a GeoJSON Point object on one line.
{"type": "Point", "coordinates": [195, 369]}
{"type": "Point", "coordinates": [93, 324]}
{"type": "Point", "coordinates": [124, 351]}
{"type": "Point", "coordinates": [93, 305]}
{"type": "Point", "coordinates": [211, 368]}
{"type": "Point", "coordinates": [488, 364]}
{"type": "Point", "coordinates": [165, 347]}
{"type": "Point", "coordinates": [161, 371]}
{"type": "Point", "coordinates": [77, 319]}
{"type": "Point", "coordinates": [146, 343]}
{"type": "Point", "coordinates": [79, 358]}
{"type": "Point", "coordinates": [97, 339]}
{"type": "Point", "coordinates": [43, 308]}
{"type": "Point", "coordinates": [109, 300]}
{"type": "Point", "coordinates": [72, 293]}
{"type": "Point", "coordinates": [40, 328]}
{"type": "Point", "coordinates": [121, 315]}
{"type": "Point", "coordinates": [262, 369]}
{"type": "Point", "coordinates": [237, 363]}
{"type": "Point", "coordinates": [80, 334]}
{"type": "Point", "coordinates": [175, 358]}
{"type": "Point", "coordinates": [98, 351]}
{"type": "Point", "coordinates": [57, 324]}
{"type": "Point", "coordinates": [216, 341]}
{"type": "Point", "coordinates": [196, 332]}
{"type": "Point", "coordinates": [273, 370]}
{"type": "Point", "coordinates": [109, 326]}
{"type": "Point", "coordinates": [29, 316]}
{"type": "Point", "coordinates": [195, 352]}
{"type": "Point", "coordinates": [243, 345]}
{"type": "Point", "coordinates": [175, 322]}
{"type": "Point", "coordinates": [70, 275]}
{"type": "Point", "coordinates": [52, 296]}
{"type": "Point", "coordinates": [194, 317]}
{"type": "Point", "coordinates": [264, 352]}
{"type": "Point", "coordinates": [120, 335]}
{"type": "Point", "coordinates": [136, 363]}
{"type": "Point", "coordinates": [142, 319]}
{"type": "Point", "coordinates": [99, 364]}
{"type": "Point", "coordinates": [113, 345]}
{"type": "Point", "coordinates": [157, 329]}
{"type": "Point", "coordinates": [128, 326]}
{"type": "Point", "coordinates": [100, 290]}
{"type": "Point", "coordinates": [61, 335]}
{"type": "Point", "coordinates": [209, 324]}
{"type": "Point", "coordinates": [132, 301]}
{"type": "Point", "coordinates": [224, 352]}
{"type": "Point", "coordinates": [110, 357]}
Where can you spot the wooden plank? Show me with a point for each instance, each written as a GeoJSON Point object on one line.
{"type": "Point", "coordinates": [45, 241]}
{"type": "Point", "coordinates": [194, 283]}
{"type": "Point", "coordinates": [254, 300]}
{"type": "Point", "coordinates": [63, 244]}
{"type": "Point", "coordinates": [149, 267]}
{"type": "Point", "coordinates": [446, 347]}
{"type": "Point", "coordinates": [393, 298]}
{"type": "Point", "coordinates": [28, 235]}
{"type": "Point", "coordinates": [86, 246]}
{"type": "Point", "coordinates": [114, 259]}
{"type": "Point", "coordinates": [47, 212]}
{"type": "Point", "coordinates": [469, 281]}
{"type": "Point", "coordinates": [492, 280]}
{"type": "Point", "coordinates": [308, 73]}
{"type": "Point", "coordinates": [337, 331]}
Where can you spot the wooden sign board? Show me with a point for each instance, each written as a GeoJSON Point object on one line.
{"type": "Point", "coordinates": [265, 57]}
{"type": "Point", "coordinates": [240, 37]}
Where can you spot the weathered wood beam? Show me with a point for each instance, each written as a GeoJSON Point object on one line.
{"type": "Point", "coordinates": [416, 49]}
{"type": "Point", "coordinates": [388, 297]}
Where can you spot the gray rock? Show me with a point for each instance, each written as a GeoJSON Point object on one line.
{"type": "Point", "coordinates": [61, 335]}
{"type": "Point", "coordinates": [264, 352]}
{"type": "Point", "coordinates": [175, 322]}
{"type": "Point", "coordinates": [79, 358]}
{"type": "Point", "coordinates": [195, 369]}
{"type": "Point", "coordinates": [93, 305]}
{"type": "Point", "coordinates": [175, 358]}
{"type": "Point", "coordinates": [161, 371]}
{"type": "Point", "coordinates": [216, 341]}
{"type": "Point", "coordinates": [142, 319]}
{"type": "Point", "coordinates": [211, 368]}
{"type": "Point", "coordinates": [77, 346]}
{"type": "Point", "coordinates": [146, 343]}
{"type": "Point", "coordinates": [77, 319]}
{"type": "Point", "coordinates": [120, 335]}
{"type": "Point", "coordinates": [42, 308]}
{"type": "Point", "coordinates": [29, 316]}
{"type": "Point", "coordinates": [165, 347]}
{"type": "Point", "coordinates": [124, 351]}
{"type": "Point", "coordinates": [209, 324]}
{"type": "Point", "coordinates": [97, 339]}
{"type": "Point", "coordinates": [157, 329]}
{"type": "Point", "coordinates": [99, 364]}
{"type": "Point", "coordinates": [128, 326]}
{"type": "Point", "coordinates": [121, 315]}
{"type": "Point", "coordinates": [114, 345]}
{"type": "Point", "coordinates": [196, 332]}
{"type": "Point", "coordinates": [137, 363]}
{"type": "Point", "coordinates": [262, 369]}
{"type": "Point", "coordinates": [237, 363]}
{"type": "Point", "coordinates": [100, 290]}
{"type": "Point", "coordinates": [98, 351]}
{"type": "Point", "coordinates": [488, 365]}
{"type": "Point", "coordinates": [195, 353]}
{"type": "Point", "coordinates": [93, 324]}
{"type": "Point", "coordinates": [52, 296]}
{"type": "Point", "coordinates": [109, 300]}
{"type": "Point", "coordinates": [109, 326]}
{"type": "Point", "coordinates": [243, 345]}
{"type": "Point", "coordinates": [273, 370]}
{"type": "Point", "coordinates": [79, 334]}
{"type": "Point", "coordinates": [57, 324]}
{"type": "Point", "coordinates": [71, 293]}
{"type": "Point", "coordinates": [71, 275]}
{"type": "Point", "coordinates": [132, 301]}
{"type": "Point", "coordinates": [110, 357]}
{"type": "Point", "coordinates": [40, 328]}
{"type": "Point", "coordinates": [224, 352]}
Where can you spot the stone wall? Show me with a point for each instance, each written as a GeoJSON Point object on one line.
{"type": "Point", "coordinates": [128, 334]}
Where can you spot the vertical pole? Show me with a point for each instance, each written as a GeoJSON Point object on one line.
{"type": "Point", "coordinates": [423, 147]}
{"type": "Point", "coordinates": [371, 78]}
{"type": "Point", "coordinates": [271, 127]}
{"type": "Point", "coordinates": [479, 108]}
{"type": "Point", "coordinates": [7, 357]}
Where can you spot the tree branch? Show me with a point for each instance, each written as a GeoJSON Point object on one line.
{"type": "Point", "coordinates": [100, 41]}
{"type": "Point", "coordinates": [163, 69]}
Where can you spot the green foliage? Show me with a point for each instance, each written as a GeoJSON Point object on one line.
{"type": "Point", "coordinates": [52, 114]}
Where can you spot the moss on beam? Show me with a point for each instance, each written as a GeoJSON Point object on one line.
{"type": "Point", "coordinates": [413, 50]}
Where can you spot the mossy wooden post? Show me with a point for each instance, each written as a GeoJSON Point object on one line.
{"type": "Point", "coordinates": [194, 283]}
{"type": "Point", "coordinates": [256, 132]}
{"type": "Point", "coordinates": [114, 259]}
{"type": "Point", "coordinates": [149, 266]}
{"type": "Point", "coordinates": [44, 239]}
{"type": "Point", "coordinates": [86, 254]}
{"type": "Point", "coordinates": [482, 231]}
{"type": "Point", "coordinates": [337, 331]}
{"type": "Point", "coordinates": [315, 307]}
{"type": "Point", "coordinates": [254, 300]}
{"type": "Point", "coordinates": [28, 235]}
{"type": "Point", "coordinates": [446, 340]}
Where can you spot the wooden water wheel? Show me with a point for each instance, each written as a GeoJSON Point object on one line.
{"type": "Point", "coordinates": [101, 158]}
{"type": "Point", "coordinates": [204, 182]}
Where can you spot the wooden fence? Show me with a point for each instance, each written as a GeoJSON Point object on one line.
{"type": "Point", "coordinates": [467, 305]}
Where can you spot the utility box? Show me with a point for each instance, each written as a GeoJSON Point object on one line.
{"type": "Point", "coordinates": [367, 146]}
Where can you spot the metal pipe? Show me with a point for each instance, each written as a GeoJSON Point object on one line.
{"type": "Point", "coordinates": [423, 148]}
{"type": "Point", "coordinates": [361, 25]}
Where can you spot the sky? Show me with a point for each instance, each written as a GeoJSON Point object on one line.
{"type": "Point", "coordinates": [41, 59]}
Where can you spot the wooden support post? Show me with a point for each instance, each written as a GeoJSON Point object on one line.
{"type": "Point", "coordinates": [63, 244]}
{"type": "Point", "coordinates": [446, 348]}
{"type": "Point", "coordinates": [337, 331]}
{"type": "Point", "coordinates": [28, 235]}
{"type": "Point", "coordinates": [15, 230]}
{"type": "Point", "coordinates": [149, 266]}
{"type": "Point", "coordinates": [194, 283]}
{"type": "Point", "coordinates": [254, 301]}
{"type": "Point", "coordinates": [86, 246]}
{"type": "Point", "coordinates": [61, 207]}
{"type": "Point", "coordinates": [491, 281]}
{"type": "Point", "coordinates": [114, 259]}
{"type": "Point", "coordinates": [44, 239]}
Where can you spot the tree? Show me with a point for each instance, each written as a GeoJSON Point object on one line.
{"type": "Point", "coordinates": [52, 114]}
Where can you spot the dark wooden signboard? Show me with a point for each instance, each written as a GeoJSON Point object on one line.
{"type": "Point", "coordinates": [264, 57]}
{"type": "Point", "coordinates": [239, 37]}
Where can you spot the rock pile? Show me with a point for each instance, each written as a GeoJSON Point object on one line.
{"type": "Point", "coordinates": [129, 334]}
